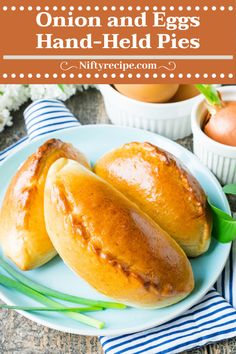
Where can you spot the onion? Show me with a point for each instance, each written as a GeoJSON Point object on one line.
{"type": "Point", "coordinates": [220, 123]}
{"type": "Point", "coordinates": [221, 127]}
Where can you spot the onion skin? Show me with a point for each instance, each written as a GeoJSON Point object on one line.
{"type": "Point", "coordinates": [221, 127]}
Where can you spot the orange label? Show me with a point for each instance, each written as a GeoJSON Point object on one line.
{"type": "Point", "coordinates": [117, 42]}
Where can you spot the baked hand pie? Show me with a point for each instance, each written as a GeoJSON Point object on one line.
{"type": "Point", "coordinates": [107, 240]}
{"type": "Point", "coordinates": [164, 189]}
{"type": "Point", "coordinates": [23, 235]}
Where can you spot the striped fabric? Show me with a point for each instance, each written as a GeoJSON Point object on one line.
{"type": "Point", "coordinates": [213, 319]}
{"type": "Point", "coordinates": [47, 116]}
{"type": "Point", "coordinates": [42, 117]}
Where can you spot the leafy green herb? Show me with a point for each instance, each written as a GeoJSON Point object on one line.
{"type": "Point", "coordinates": [1, 93]}
{"type": "Point", "coordinates": [55, 309]}
{"type": "Point", "coordinates": [211, 95]}
{"type": "Point", "coordinates": [56, 294]}
{"type": "Point", "coordinates": [13, 284]}
{"type": "Point", "coordinates": [224, 226]}
{"type": "Point", "coordinates": [61, 87]}
{"type": "Point", "coordinates": [230, 189]}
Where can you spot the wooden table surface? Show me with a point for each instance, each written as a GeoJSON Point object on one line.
{"type": "Point", "coordinates": [20, 335]}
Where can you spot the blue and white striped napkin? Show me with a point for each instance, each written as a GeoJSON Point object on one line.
{"type": "Point", "coordinates": [211, 320]}
{"type": "Point", "coordinates": [42, 117]}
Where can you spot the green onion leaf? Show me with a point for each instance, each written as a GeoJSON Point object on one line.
{"type": "Point", "coordinates": [210, 94]}
{"type": "Point", "coordinates": [56, 294]}
{"type": "Point", "coordinates": [61, 87]}
{"type": "Point", "coordinates": [224, 226]}
{"type": "Point", "coordinates": [230, 189]}
{"type": "Point", "coordinates": [13, 284]}
{"type": "Point", "coordinates": [55, 309]}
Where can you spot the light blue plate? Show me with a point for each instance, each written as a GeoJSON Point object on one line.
{"type": "Point", "coordinates": [95, 140]}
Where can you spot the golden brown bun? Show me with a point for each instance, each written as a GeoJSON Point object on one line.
{"type": "Point", "coordinates": [23, 234]}
{"type": "Point", "coordinates": [109, 242]}
{"type": "Point", "coordinates": [160, 186]}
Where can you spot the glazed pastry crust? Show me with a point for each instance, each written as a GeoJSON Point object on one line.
{"type": "Point", "coordinates": [23, 234]}
{"type": "Point", "coordinates": [110, 242]}
{"type": "Point", "coordinates": [157, 182]}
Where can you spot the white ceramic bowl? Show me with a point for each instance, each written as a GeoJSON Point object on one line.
{"type": "Point", "coordinates": [168, 119]}
{"type": "Point", "coordinates": [219, 158]}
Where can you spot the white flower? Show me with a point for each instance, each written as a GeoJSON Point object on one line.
{"type": "Point", "coordinates": [61, 92]}
{"type": "Point", "coordinates": [84, 87]}
{"type": "Point", "coordinates": [5, 119]}
{"type": "Point", "coordinates": [13, 96]}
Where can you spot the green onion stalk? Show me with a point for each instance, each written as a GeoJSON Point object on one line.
{"type": "Point", "coordinates": [13, 284]}
{"type": "Point", "coordinates": [57, 294]}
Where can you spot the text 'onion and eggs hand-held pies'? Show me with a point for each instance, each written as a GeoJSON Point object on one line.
{"type": "Point", "coordinates": [155, 180]}
{"type": "Point", "coordinates": [23, 234]}
{"type": "Point", "coordinates": [110, 242]}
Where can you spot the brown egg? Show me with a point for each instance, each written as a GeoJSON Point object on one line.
{"type": "Point", "coordinates": [184, 93]}
{"type": "Point", "coordinates": [149, 93]}
{"type": "Point", "coordinates": [222, 126]}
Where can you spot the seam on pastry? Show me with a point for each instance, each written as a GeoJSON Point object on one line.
{"type": "Point", "coordinates": [25, 201]}
{"type": "Point", "coordinates": [197, 198]}
{"type": "Point", "coordinates": [35, 166]}
{"type": "Point", "coordinates": [44, 151]}
{"type": "Point", "coordinates": [63, 201]}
